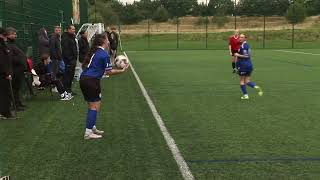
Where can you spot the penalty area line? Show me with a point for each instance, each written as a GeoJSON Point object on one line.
{"type": "Point", "coordinates": [183, 166]}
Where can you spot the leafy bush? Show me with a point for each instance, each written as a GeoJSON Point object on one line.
{"type": "Point", "coordinates": [161, 15]}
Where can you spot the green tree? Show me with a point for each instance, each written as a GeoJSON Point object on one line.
{"type": "Point", "coordinates": [130, 14]}
{"type": "Point", "coordinates": [200, 10]}
{"type": "Point", "coordinates": [313, 7]}
{"type": "Point", "coordinates": [220, 7]}
{"type": "Point", "coordinates": [101, 11]}
{"type": "Point", "coordinates": [262, 7]}
{"type": "Point", "coordinates": [161, 15]}
{"type": "Point", "coordinates": [296, 12]}
{"type": "Point", "coordinates": [147, 8]}
{"type": "Point", "coordinates": [180, 7]}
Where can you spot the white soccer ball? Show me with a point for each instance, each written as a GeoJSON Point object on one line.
{"type": "Point", "coordinates": [121, 61]}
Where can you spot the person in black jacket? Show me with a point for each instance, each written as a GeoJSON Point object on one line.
{"type": "Point", "coordinates": [43, 42]}
{"type": "Point", "coordinates": [114, 42]}
{"type": "Point", "coordinates": [69, 55]}
{"type": "Point", "coordinates": [19, 60]}
{"type": "Point", "coordinates": [83, 46]}
{"type": "Point", "coordinates": [55, 49]}
{"type": "Point", "coordinates": [5, 77]}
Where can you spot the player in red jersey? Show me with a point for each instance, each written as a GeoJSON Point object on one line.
{"type": "Point", "coordinates": [234, 46]}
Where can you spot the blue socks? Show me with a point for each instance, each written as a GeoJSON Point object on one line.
{"type": "Point", "coordinates": [91, 118]}
{"type": "Point", "coordinates": [251, 84]}
{"type": "Point", "coordinates": [243, 89]}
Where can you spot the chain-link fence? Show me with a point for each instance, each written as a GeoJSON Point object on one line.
{"type": "Point", "coordinates": [28, 16]}
{"type": "Point", "coordinates": [264, 30]}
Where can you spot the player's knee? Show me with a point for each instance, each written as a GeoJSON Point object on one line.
{"type": "Point", "coordinates": [94, 106]}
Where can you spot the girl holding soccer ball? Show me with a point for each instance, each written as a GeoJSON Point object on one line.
{"type": "Point", "coordinates": [245, 68]}
{"type": "Point", "coordinates": [96, 64]}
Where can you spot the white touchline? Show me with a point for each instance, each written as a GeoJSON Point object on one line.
{"type": "Point", "coordinates": [183, 166]}
{"type": "Point", "coordinates": [297, 52]}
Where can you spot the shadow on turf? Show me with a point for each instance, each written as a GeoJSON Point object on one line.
{"type": "Point", "coordinates": [257, 160]}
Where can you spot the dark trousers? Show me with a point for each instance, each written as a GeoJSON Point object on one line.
{"type": "Point", "coordinates": [17, 80]}
{"type": "Point", "coordinates": [50, 79]}
{"type": "Point", "coordinates": [70, 68]}
{"type": "Point", "coordinates": [4, 96]}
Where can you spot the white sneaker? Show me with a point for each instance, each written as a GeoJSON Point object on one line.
{"type": "Point", "coordinates": [88, 136]}
{"type": "Point", "coordinates": [260, 92]}
{"type": "Point", "coordinates": [245, 97]}
{"type": "Point", "coordinates": [65, 97]}
{"type": "Point", "coordinates": [96, 131]}
{"type": "Point", "coordinates": [55, 90]}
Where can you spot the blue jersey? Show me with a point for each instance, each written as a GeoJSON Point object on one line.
{"type": "Point", "coordinates": [245, 64]}
{"type": "Point", "coordinates": [98, 65]}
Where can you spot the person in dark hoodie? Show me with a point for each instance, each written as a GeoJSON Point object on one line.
{"type": "Point", "coordinates": [55, 49]}
{"type": "Point", "coordinates": [83, 46]}
{"type": "Point", "coordinates": [70, 56]}
{"type": "Point", "coordinates": [113, 38]}
{"type": "Point", "coordinates": [5, 77]}
{"type": "Point", "coordinates": [19, 60]}
{"type": "Point", "coordinates": [43, 42]}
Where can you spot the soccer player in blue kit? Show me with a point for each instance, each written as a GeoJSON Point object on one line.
{"type": "Point", "coordinates": [96, 64]}
{"type": "Point", "coordinates": [245, 68]}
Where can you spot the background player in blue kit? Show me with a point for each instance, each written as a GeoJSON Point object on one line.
{"type": "Point", "coordinates": [96, 64]}
{"type": "Point", "coordinates": [245, 68]}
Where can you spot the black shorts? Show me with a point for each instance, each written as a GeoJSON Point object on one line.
{"type": "Point", "coordinates": [233, 52]}
{"type": "Point", "coordinates": [90, 88]}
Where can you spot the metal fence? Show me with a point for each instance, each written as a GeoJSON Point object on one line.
{"type": "Point", "coordinates": [213, 32]}
{"type": "Point", "coordinates": [28, 16]}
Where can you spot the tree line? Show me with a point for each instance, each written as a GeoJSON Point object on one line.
{"type": "Point", "coordinates": [114, 12]}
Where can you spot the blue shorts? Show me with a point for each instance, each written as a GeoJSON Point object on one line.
{"type": "Point", "coordinates": [245, 73]}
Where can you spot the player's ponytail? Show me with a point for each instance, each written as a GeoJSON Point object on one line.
{"type": "Point", "coordinates": [98, 40]}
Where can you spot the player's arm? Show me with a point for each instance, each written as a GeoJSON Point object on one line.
{"type": "Point", "coordinates": [246, 55]}
{"type": "Point", "coordinates": [116, 71]}
{"type": "Point", "coordinates": [230, 48]}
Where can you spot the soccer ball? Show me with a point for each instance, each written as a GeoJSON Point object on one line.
{"type": "Point", "coordinates": [121, 61]}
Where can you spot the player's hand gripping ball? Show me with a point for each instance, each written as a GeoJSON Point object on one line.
{"type": "Point", "coordinates": [121, 61]}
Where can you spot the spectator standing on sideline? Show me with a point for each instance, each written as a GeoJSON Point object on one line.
{"type": "Point", "coordinates": [83, 46]}
{"type": "Point", "coordinates": [43, 42]}
{"type": "Point", "coordinates": [5, 77]}
{"type": "Point", "coordinates": [19, 60]}
{"type": "Point", "coordinates": [55, 49]}
{"type": "Point", "coordinates": [83, 49]}
{"type": "Point", "coordinates": [113, 38]}
{"type": "Point", "coordinates": [114, 42]}
{"type": "Point", "coordinates": [70, 56]}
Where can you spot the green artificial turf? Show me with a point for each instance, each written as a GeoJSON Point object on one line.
{"type": "Point", "coordinates": [222, 137]}
{"type": "Point", "coordinates": [47, 141]}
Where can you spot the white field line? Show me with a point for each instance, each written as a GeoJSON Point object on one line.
{"type": "Point", "coordinates": [298, 52]}
{"type": "Point", "coordinates": [183, 166]}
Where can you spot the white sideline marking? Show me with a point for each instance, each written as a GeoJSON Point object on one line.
{"type": "Point", "coordinates": [183, 166]}
{"type": "Point", "coordinates": [297, 52]}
